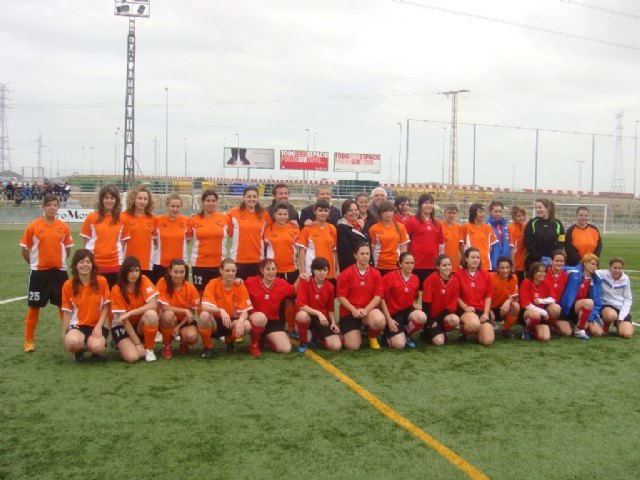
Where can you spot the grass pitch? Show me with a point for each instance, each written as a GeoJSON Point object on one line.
{"type": "Point", "coordinates": [567, 409]}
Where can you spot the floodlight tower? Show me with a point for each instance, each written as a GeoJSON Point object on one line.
{"type": "Point", "coordinates": [617, 176]}
{"type": "Point", "coordinates": [453, 155]}
{"type": "Point", "coordinates": [131, 9]}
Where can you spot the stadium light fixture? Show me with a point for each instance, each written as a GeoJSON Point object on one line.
{"type": "Point", "coordinates": [132, 8]}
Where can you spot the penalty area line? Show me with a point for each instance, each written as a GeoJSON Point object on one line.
{"type": "Point", "coordinates": [11, 300]}
{"type": "Point", "coordinates": [452, 457]}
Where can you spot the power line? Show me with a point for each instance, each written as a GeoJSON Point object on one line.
{"type": "Point", "coordinates": [602, 9]}
{"type": "Point", "coordinates": [521, 25]}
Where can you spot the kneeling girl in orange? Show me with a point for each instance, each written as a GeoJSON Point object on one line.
{"type": "Point", "coordinates": [504, 299]}
{"type": "Point", "coordinates": [179, 302]}
{"type": "Point", "coordinates": [225, 309]}
{"type": "Point", "coordinates": [134, 307]}
{"type": "Point", "coordinates": [85, 306]}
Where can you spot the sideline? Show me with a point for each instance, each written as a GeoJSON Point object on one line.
{"type": "Point", "coordinates": [11, 300]}
{"type": "Point", "coordinates": [405, 423]}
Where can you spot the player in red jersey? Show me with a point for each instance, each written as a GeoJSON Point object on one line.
{"type": "Point", "coordinates": [134, 307]}
{"type": "Point", "coordinates": [504, 299]}
{"type": "Point", "coordinates": [46, 244]}
{"type": "Point", "coordinates": [539, 308]}
{"type": "Point", "coordinates": [400, 305]}
{"type": "Point", "coordinates": [440, 302]}
{"type": "Point", "coordinates": [315, 301]}
{"type": "Point", "coordinates": [474, 302]}
{"type": "Point", "coordinates": [85, 303]}
{"type": "Point", "coordinates": [427, 239]}
{"type": "Point", "coordinates": [402, 208]}
{"type": "Point", "coordinates": [267, 292]}
{"type": "Point", "coordinates": [359, 294]}
{"type": "Point", "coordinates": [142, 227]}
{"type": "Point", "coordinates": [556, 280]}
{"type": "Point", "coordinates": [179, 303]}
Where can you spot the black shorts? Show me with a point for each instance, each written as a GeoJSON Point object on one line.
{"type": "Point", "coordinates": [112, 278]}
{"type": "Point", "coordinates": [118, 333]}
{"type": "Point", "coordinates": [246, 270]}
{"type": "Point", "coordinates": [159, 271]}
{"type": "Point", "coordinates": [434, 327]}
{"type": "Point", "coordinates": [383, 271]}
{"type": "Point", "coordinates": [422, 274]}
{"type": "Point", "coordinates": [348, 323]}
{"type": "Point", "coordinates": [617, 310]}
{"type": "Point", "coordinates": [274, 326]}
{"type": "Point", "coordinates": [322, 331]}
{"type": "Point", "coordinates": [402, 318]}
{"type": "Point", "coordinates": [221, 330]}
{"type": "Point", "coordinates": [496, 314]}
{"type": "Point", "coordinates": [45, 286]}
{"type": "Point", "coordinates": [290, 277]}
{"type": "Point", "coordinates": [461, 312]}
{"type": "Point", "coordinates": [87, 330]}
{"type": "Point", "coordinates": [203, 275]}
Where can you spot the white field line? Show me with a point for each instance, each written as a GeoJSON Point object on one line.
{"type": "Point", "coordinates": [11, 300]}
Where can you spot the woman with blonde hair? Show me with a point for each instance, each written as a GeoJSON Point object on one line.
{"type": "Point", "coordinates": [142, 227]}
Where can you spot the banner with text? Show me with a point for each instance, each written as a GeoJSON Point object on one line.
{"type": "Point", "coordinates": [249, 157]}
{"type": "Point", "coordinates": [303, 160]}
{"type": "Point", "coordinates": [73, 215]}
{"type": "Point", "coordinates": [356, 162]}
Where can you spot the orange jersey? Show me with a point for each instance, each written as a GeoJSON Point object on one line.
{"type": "Point", "coordinates": [319, 242]}
{"type": "Point", "coordinates": [281, 246]}
{"type": "Point", "coordinates": [516, 239]}
{"type": "Point", "coordinates": [171, 239]}
{"type": "Point", "coordinates": [210, 236]}
{"type": "Point", "coordinates": [247, 229]}
{"type": "Point", "coordinates": [233, 300]}
{"type": "Point", "coordinates": [453, 237]}
{"type": "Point", "coordinates": [147, 292]}
{"type": "Point", "coordinates": [481, 237]}
{"type": "Point", "coordinates": [386, 242]}
{"type": "Point", "coordinates": [186, 297]}
{"type": "Point", "coordinates": [47, 244]}
{"type": "Point", "coordinates": [502, 288]}
{"type": "Point", "coordinates": [105, 239]}
{"type": "Point", "coordinates": [140, 245]}
{"type": "Point", "coordinates": [85, 307]}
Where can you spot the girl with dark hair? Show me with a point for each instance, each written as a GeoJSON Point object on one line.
{"type": "Point", "coordinates": [504, 299]}
{"type": "Point", "coordinates": [402, 312]}
{"type": "Point", "coordinates": [543, 234]}
{"type": "Point", "coordinates": [142, 227]}
{"type": "Point", "coordinates": [171, 237]}
{"type": "Point", "coordinates": [179, 303]}
{"type": "Point", "coordinates": [85, 306]}
{"type": "Point", "coordinates": [209, 230]}
{"type": "Point", "coordinates": [427, 239]}
{"type": "Point", "coordinates": [555, 280]}
{"type": "Point", "coordinates": [616, 298]}
{"type": "Point", "coordinates": [440, 302]}
{"type": "Point", "coordinates": [539, 309]}
{"type": "Point", "coordinates": [248, 222]}
{"type": "Point", "coordinates": [134, 307]}
{"type": "Point", "coordinates": [105, 233]}
{"type": "Point", "coordinates": [402, 208]}
{"type": "Point", "coordinates": [478, 234]}
{"type": "Point", "coordinates": [516, 239]}
{"type": "Point", "coordinates": [388, 239]}
{"type": "Point", "coordinates": [349, 232]}
{"type": "Point", "coordinates": [582, 237]}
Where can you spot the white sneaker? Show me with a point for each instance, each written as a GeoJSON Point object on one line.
{"type": "Point", "coordinates": [581, 334]}
{"type": "Point", "coordinates": [150, 356]}
{"type": "Point", "coordinates": [158, 338]}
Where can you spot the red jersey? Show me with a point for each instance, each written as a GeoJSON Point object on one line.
{"type": "Point", "coordinates": [556, 283]}
{"type": "Point", "coordinates": [441, 295]}
{"type": "Point", "coordinates": [426, 238]}
{"type": "Point", "coordinates": [474, 289]}
{"type": "Point", "coordinates": [85, 307]}
{"type": "Point", "coordinates": [319, 298]}
{"type": "Point", "coordinates": [47, 244]}
{"type": "Point", "coordinates": [209, 239]}
{"type": "Point", "coordinates": [400, 292]}
{"type": "Point", "coordinates": [268, 299]}
{"type": "Point", "coordinates": [530, 293]}
{"type": "Point", "coordinates": [105, 239]}
{"type": "Point", "coordinates": [171, 239]}
{"type": "Point", "coordinates": [142, 230]}
{"type": "Point", "coordinates": [359, 288]}
{"type": "Point", "coordinates": [281, 246]}
{"type": "Point", "coordinates": [583, 289]}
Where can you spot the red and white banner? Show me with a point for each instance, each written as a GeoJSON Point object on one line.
{"type": "Point", "coordinates": [356, 162]}
{"type": "Point", "coordinates": [303, 160]}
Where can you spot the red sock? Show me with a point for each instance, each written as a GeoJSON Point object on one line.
{"type": "Point", "coordinates": [583, 317]}
{"type": "Point", "coordinates": [205, 334]}
{"type": "Point", "coordinates": [303, 331]}
{"type": "Point", "coordinates": [256, 331]}
{"type": "Point", "coordinates": [290, 316]}
{"type": "Point", "coordinates": [30, 322]}
{"type": "Point", "coordinates": [413, 327]}
{"type": "Point", "coordinates": [166, 335]}
{"type": "Point", "coordinates": [447, 327]}
{"type": "Point", "coordinates": [374, 333]}
{"type": "Point", "coordinates": [149, 335]}
{"type": "Point", "coordinates": [532, 324]}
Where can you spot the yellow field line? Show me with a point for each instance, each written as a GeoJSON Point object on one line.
{"type": "Point", "coordinates": [405, 423]}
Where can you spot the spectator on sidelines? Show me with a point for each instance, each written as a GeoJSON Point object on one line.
{"type": "Point", "coordinates": [307, 215]}
{"type": "Point", "coordinates": [280, 193]}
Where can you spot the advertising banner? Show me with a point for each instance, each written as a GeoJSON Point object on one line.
{"type": "Point", "coordinates": [303, 160]}
{"type": "Point", "coordinates": [249, 157]}
{"type": "Point", "coordinates": [356, 162]}
{"type": "Point", "coordinates": [73, 215]}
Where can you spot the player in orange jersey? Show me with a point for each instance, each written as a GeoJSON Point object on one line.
{"type": "Point", "coordinates": [388, 239]}
{"type": "Point", "coordinates": [142, 227]}
{"type": "Point", "coordinates": [478, 234]}
{"type": "Point", "coordinates": [105, 234]}
{"type": "Point", "coordinates": [225, 310]}
{"type": "Point", "coordinates": [582, 238]}
{"type": "Point", "coordinates": [318, 240]}
{"type": "Point", "coordinates": [171, 237]}
{"type": "Point", "coordinates": [516, 238]}
{"type": "Point", "coordinates": [85, 303]}
{"type": "Point", "coordinates": [46, 244]}
{"type": "Point", "coordinates": [209, 230]}
{"type": "Point", "coordinates": [453, 236]}
{"type": "Point", "coordinates": [179, 303]}
{"type": "Point", "coordinates": [504, 299]}
{"type": "Point", "coordinates": [248, 223]}
{"type": "Point", "coordinates": [134, 307]}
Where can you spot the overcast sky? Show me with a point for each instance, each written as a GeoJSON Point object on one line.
{"type": "Point", "coordinates": [349, 71]}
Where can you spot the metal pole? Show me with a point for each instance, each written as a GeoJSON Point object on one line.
{"type": "Point", "coordinates": [166, 134]}
{"type": "Point", "coordinates": [535, 171]}
{"type": "Point", "coordinates": [185, 157]}
{"type": "Point", "coordinates": [399, 151]}
{"type": "Point", "coordinates": [473, 181]}
{"type": "Point", "coordinates": [406, 163]}
{"type": "Point", "coordinates": [91, 148]}
{"type": "Point", "coordinates": [593, 160]}
{"type": "Point", "coordinates": [635, 159]}
{"type": "Point", "coordinates": [444, 130]}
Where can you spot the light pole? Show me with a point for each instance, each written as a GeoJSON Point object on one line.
{"type": "Point", "coordinates": [166, 133]}
{"type": "Point", "coordinates": [304, 172]}
{"type": "Point", "coordinates": [50, 165]}
{"type": "Point", "coordinates": [185, 156]}
{"type": "Point", "coordinates": [115, 153]}
{"type": "Point", "coordinates": [82, 162]}
{"type": "Point", "coordinates": [91, 148]}
{"type": "Point", "coordinates": [444, 131]}
{"type": "Point", "coordinates": [635, 159]}
{"type": "Point", "coordinates": [399, 150]}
